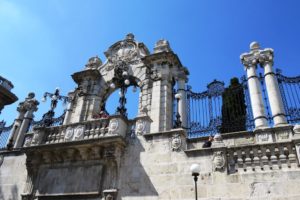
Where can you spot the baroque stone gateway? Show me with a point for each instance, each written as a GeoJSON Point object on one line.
{"type": "Point", "coordinates": [94, 155]}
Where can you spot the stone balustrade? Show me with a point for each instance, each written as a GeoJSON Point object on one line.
{"type": "Point", "coordinates": [100, 128]}
{"type": "Point", "coordinates": [261, 158]}
{"type": "Point", "coordinates": [263, 150]}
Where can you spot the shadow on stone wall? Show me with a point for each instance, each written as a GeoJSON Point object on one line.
{"type": "Point", "coordinates": [7, 191]}
{"type": "Point", "coordinates": [134, 179]}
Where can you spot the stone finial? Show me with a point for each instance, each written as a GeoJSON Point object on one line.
{"type": "Point", "coordinates": [162, 45]}
{"type": "Point", "coordinates": [93, 63]}
{"type": "Point", "coordinates": [254, 46]}
{"type": "Point", "coordinates": [129, 36]}
{"type": "Point", "coordinates": [30, 103]}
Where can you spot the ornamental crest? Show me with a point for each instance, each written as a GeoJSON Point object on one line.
{"type": "Point", "coordinates": [69, 134]}
{"type": "Point", "coordinates": [78, 132]}
{"type": "Point", "coordinates": [140, 127]}
{"type": "Point", "coordinates": [125, 53]}
{"type": "Point", "coordinates": [176, 142]}
{"type": "Point", "coordinates": [218, 161]}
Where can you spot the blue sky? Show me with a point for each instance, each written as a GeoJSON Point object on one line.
{"type": "Point", "coordinates": [44, 42]}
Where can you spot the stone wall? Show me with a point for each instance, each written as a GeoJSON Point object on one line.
{"type": "Point", "coordinates": [12, 175]}
{"type": "Point", "coordinates": [157, 166]}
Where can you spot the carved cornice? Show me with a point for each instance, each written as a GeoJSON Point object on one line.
{"type": "Point", "coordinates": [93, 74]}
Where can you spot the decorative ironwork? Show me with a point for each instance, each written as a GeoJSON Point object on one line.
{"type": "Point", "coordinates": [48, 118]}
{"type": "Point", "coordinates": [219, 109]}
{"type": "Point", "coordinates": [204, 116]}
{"type": "Point", "coordinates": [4, 134]}
{"type": "Point", "coordinates": [265, 99]}
{"type": "Point", "coordinates": [290, 91]}
{"type": "Point", "coordinates": [122, 80]}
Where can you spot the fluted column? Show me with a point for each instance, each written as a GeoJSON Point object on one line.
{"type": "Point", "coordinates": [274, 96]}
{"type": "Point", "coordinates": [182, 102]}
{"type": "Point", "coordinates": [250, 61]}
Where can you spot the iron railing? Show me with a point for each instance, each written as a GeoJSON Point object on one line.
{"type": "Point", "coordinates": [228, 109]}
{"type": "Point", "coordinates": [290, 91]}
{"type": "Point", "coordinates": [4, 134]}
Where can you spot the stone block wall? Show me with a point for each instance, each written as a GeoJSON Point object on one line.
{"type": "Point", "coordinates": [12, 175]}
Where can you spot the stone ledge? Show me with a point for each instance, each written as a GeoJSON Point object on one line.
{"type": "Point", "coordinates": [103, 140]}
{"type": "Point", "coordinates": [170, 132]}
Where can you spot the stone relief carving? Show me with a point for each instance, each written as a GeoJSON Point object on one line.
{"type": "Point", "coordinates": [30, 104]}
{"type": "Point", "coordinates": [113, 126]}
{"type": "Point", "coordinates": [263, 137]}
{"type": "Point", "coordinates": [140, 127]}
{"type": "Point", "coordinates": [27, 141]}
{"type": "Point", "coordinates": [218, 161]}
{"type": "Point", "coordinates": [284, 135]}
{"type": "Point", "coordinates": [176, 142]}
{"type": "Point", "coordinates": [122, 54]}
{"type": "Point", "coordinates": [69, 134]}
{"type": "Point", "coordinates": [93, 63]}
{"type": "Point", "coordinates": [79, 132]}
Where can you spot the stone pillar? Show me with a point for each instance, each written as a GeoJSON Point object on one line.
{"type": "Point", "coordinates": [69, 109]}
{"type": "Point", "coordinates": [182, 102]}
{"type": "Point", "coordinates": [275, 99]}
{"type": "Point", "coordinates": [161, 104]}
{"type": "Point", "coordinates": [257, 103]}
{"type": "Point", "coordinates": [29, 105]}
{"type": "Point", "coordinates": [250, 60]}
{"type": "Point", "coordinates": [17, 123]}
{"type": "Point", "coordinates": [23, 128]}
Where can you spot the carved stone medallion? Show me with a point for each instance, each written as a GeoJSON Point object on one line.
{"type": "Point", "coordinates": [176, 142]}
{"type": "Point", "coordinates": [35, 139]}
{"type": "Point", "coordinates": [218, 161]}
{"type": "Point", "coordinates": [27, 141]}
{"type": "Point", "coordinates": [113, 126]}
{"type": "Point", "coordinates": [140, 127]}
{"type": "Point", "coordinates": [69, 134]}
{"type": "Point", "coordinates": [79, 132]}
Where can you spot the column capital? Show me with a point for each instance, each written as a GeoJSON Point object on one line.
{"type": "Point", "coordinates": [266, 56]}
{"type": "Point", "coordinates": [249, 59]}
{"type": "Point", "coordinates": [30, 104]}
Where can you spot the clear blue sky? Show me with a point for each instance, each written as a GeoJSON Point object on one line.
{"type": "Point", "coordinates": [44, 42]}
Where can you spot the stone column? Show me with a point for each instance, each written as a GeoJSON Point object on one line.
{"type": "Point", "coordinates": [17, 123]}
{"type": "Point", "coordinates": [23, 128]}
{"type": "Point", "coordinates": [250, 60]}
{"type": "Point", "coordinates": [30, 105]}
{"type": "Point", "coordinates": [182, 102]}
{"type": "Point", "coordinates": [275, 99]}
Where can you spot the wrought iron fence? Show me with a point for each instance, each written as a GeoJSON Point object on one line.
{"type": "Point", "coordinates": [4, 134]}
{"type": "Point", "coordinates": [228, 109]}
{"type": "Point", "coordinates": [290, 91]}
{"type": "Point", "coordinates": [47, 122]}
{"type": "Point", "coordinates": [219, 109]}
